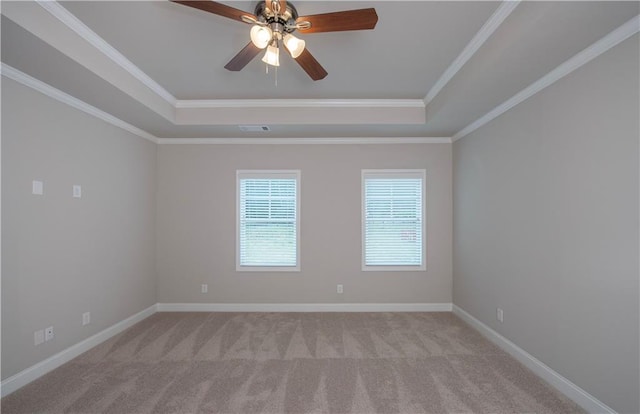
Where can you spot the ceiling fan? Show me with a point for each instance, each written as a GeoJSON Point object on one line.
{"type": "Point", "coordinates": [273, 23]}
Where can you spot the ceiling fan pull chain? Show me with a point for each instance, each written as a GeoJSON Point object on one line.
{"type": "Point", "coordinates": [277, 48]}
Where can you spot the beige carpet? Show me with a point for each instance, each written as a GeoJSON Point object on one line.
{"type": "Point", "coordinates": [292, 363]}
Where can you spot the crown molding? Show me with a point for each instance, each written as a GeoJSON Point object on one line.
{"type": "Point", "coordinates": [82, 30]}
{"type": "Point", "coordinates": [491, 25]}
{"type": "Point", "coordinates": [617, 36]}
{"type": "Point", "coordinates": [299, 111]}
{"type": "Point", "coordinates": [76, 103]}
{"type": "Point", "coordinates": [299, 103]}
{"type": "Point", "coordinates": [58, 95]}
{"type": "Point", "coordinates": [54, 25]}
{"type": "Point", "coordinates": [304, 141]}
{"type": "Point", "coordinates": [133, 81]}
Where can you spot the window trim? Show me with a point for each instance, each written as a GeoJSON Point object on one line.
{"type": "Point", "coordinates": [267, 174]}
{"type": "Point", "coordinates": [393, 173]}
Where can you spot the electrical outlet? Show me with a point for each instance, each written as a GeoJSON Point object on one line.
{"type": "Point", "coordinates": [38, 337]}
{"type": "Point", "coordinates": [500, 315]}
{"type": "Point", "coordinates": [204, 288]}
{"type": "Point", "coordinates": [48, 333]}
{"type": "Point", "coordinates": [340, 289]}
{"type": "Point", "coordinates": [86, 318]}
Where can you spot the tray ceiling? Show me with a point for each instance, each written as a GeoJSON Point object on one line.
{"type": "Point", "coordinates": [429, 69]}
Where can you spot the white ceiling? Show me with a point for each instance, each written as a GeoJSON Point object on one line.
{"type": "Point", "coordinates": [185, 50]}
{"type": "Point", "coordinates": [377, 84]}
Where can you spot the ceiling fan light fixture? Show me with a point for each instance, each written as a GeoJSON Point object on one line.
{"type": "Point", "coordinates": [272, 57]}
{"type": "Point", "coordinates": [294, 45]}
{"type": "Point", "coordinates": [274, 20]}
{"type": "Point", "coordinates": [261, 36]}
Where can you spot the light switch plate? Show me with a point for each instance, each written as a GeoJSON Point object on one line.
{"type": "Point", "coordinates": [37, 187]}
{"type": "Point", "coordinates": [77, 191]}
{"type": "Point", "coordinates": [38, 337]}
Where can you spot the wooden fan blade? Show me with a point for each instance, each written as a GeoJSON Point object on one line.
{"type": "Point", "coordinates": [361, 19]}
{"type": "Point", "coordinates": [243, 57]}
{"type": "Point", "coordinates": [311, 65]}
{"type": "Point", "coordinates": [216, 8]}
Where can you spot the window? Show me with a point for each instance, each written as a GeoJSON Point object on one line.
{"type": "Point", "coordinates": [268, 221]}
{"type": "Point", "coordinates": [392, 219]}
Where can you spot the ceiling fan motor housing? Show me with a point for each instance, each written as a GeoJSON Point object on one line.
{"type": "Point", "coordinates": [282, 22]}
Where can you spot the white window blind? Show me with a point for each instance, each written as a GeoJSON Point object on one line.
{"type": "Point", "coordinates": [268, 220]}
{"type": "Point", "coordinates": [393, 226]}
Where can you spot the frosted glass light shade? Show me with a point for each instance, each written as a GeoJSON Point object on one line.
{"type": "Point", "coordinates": [260, 36]}
{"type": "Point", "coordinates": [294, 45]}
{"type": "Point", "coordinates": [272, 57]}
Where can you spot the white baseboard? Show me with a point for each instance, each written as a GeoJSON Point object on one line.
{"type": "Point", "coordinates": [304, 307]}
{"type": "Point", "coordinates": [568, 388]}
{"type": "Point", "coordinates": [34, 372]}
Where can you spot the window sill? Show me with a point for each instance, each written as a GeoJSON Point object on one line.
{"type": "Point", "coordinates": [267, 269]}
{"type": "Point", "coordinates": [394, 268]}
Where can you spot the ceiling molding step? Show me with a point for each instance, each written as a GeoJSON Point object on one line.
{"type": "Point", "coordinates": [304, 141]}
{"type": "Point", "coordinates": [76, 103]}
{"type": "Point", "coordinates": [38, 19]}
{"type": "Point", "coordinates": [614, 38]}
{"type": "Point", "coordinates": [301, 115]}
{"type": "Point", "coordinates": [299, 103]}
{"type": "Point", "coordinates": [72, 22]}
{"type": "Point", "coordinates": [491, 25]}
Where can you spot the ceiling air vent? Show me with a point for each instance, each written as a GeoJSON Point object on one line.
{"type": "Point", "coordinates": [254, 128]}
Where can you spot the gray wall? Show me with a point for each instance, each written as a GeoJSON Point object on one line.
{"type": "Point", "coordinates": [546, 226]}
{"type": "Point", "coordinates": [197, 213]}
{"type": "Point", "coordinates": [54, 246]}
